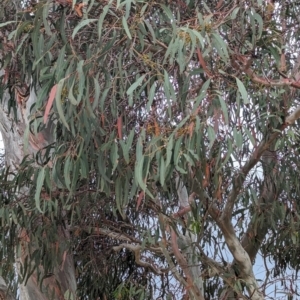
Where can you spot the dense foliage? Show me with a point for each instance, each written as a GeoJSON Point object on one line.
{"type": "Point", "coordinates": [144, 97]}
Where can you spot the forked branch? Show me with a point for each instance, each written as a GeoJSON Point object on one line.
{"type": "Point", "coordinates": [240, 176]}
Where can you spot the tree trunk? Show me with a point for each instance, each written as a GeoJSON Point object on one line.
{"type": "Point", "coordinates": [256, 233]}
{"type": "Point", "coordinates": [63, 280]}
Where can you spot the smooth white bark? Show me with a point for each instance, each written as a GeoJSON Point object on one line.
{"type": "Point", "coordinates": [15, 146]}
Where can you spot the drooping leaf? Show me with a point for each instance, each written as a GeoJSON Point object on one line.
{"type": "Point", "coordinates": [82, 24]}
{"type": "Point", "coordinates": [50, 102]}
{"type": "Point", "coordinates": [243, 91]}
{"type": "Point", "coordinates": [124, 22]}
{"type": "Point", "coordinates": [135, 85]}
{"type": "Point", "coordinates": [39, 185]}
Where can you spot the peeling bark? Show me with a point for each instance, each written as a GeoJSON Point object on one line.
{"type": "Point", "coordinates": [242, 260]}
{"type": "Point", "coordinates": [12, 132]}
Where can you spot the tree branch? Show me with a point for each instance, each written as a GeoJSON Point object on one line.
{"type": "Point", "coordinates": [254, 236]}
{"type": "Point", "coordinates": [185, 268]}
{"type": "Point", "coordinates": [220, 270]}
{"type": "Point", "coordinates": [186, 255]}
{"type": "Point", "coordinates": [245, 63]}
{"type": "Point", "coordinates": [172, 265]}
{"type": "Point", "coordinates": [240, 176]}
{"type": "Point", "coordinates": [242, 259]}
{"type": "Point", "coordinates": [293, 116]}
{"type": "Point", "coordinates": [137, 254]}
{"type": "Point", "coordinates": [234, 246]}
{"type": "Point", "coordinates": [106, 232]}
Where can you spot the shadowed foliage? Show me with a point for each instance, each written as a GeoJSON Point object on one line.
{"type": "Point", "coordinates": [151, 148]}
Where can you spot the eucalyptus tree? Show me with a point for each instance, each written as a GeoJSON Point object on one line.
{"type": "Point", "coordinates": [145, 141]}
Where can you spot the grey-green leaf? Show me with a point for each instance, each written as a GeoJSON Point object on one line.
{"type": "Point", "coordinates": [82, 24]}
{"type": "Point", "coordinates": [135, 85]}
{"type": "Point", "coordinates": [58, 102]}
{"type": "Point", "coordinates": [39, 185]}
{"type": "Point", "coordinates": [242, 90]}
